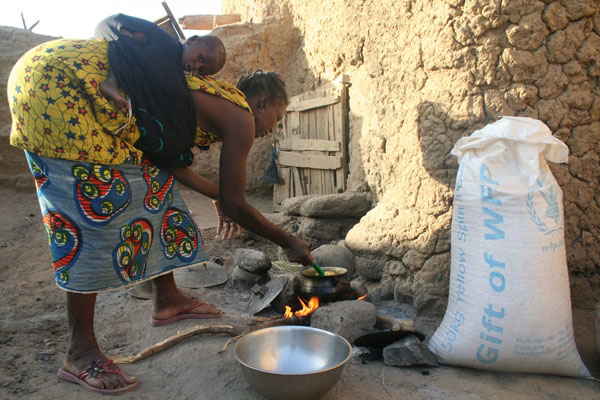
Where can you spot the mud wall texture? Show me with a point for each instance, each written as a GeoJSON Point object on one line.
{"type": "Point", "coordinates": [250, 47]}
{"type": "Point", "coordinates": [425, 73]}
{"type": "Point", "coordinates": [14, 43]}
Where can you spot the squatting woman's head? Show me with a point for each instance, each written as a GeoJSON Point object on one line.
{"type": "Point", "coordinates": [267, 97]}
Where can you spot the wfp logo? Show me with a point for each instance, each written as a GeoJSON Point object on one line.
{"type": "Point", "coordinates": [550, 221]}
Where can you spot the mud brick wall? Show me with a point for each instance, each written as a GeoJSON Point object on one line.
{"type": "Point", "coordinates": [425, 73]}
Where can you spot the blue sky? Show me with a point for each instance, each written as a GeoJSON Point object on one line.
{"type": "Point", "coordinates": [77, 18]}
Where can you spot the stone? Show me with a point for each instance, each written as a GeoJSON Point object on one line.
{"type": "Point", "coordinates": [284, 221]}
{"type": "Point", "coordinates": [522, 65]}
{"type": "Point", "coordinates": [552, 83]}
{"type": "Point", "coordinates": [555, 16]}
{"type": "Point", "coordinates": [551, 112]}
{"type": "Point", "coordinates": [324, 230]}
{"type": "Point", "coordinates": [291, 206]}
{"type": "Point", "coordinates": [430, 286]}
{"type": "Point", "coordinates": [520, 96]}
{"type": "Point", "coordinates": [262, 295]}
{"type": "Point", "coordinates": [205, 275]}
{"type": "Point", "coordinates": [253, 261]}
{"type": "Point", "coordinates": [403, 290]}
{"type": "Point", "coordinates": [343, 205]}
{"type": "Point", "coordinates": [358, 287]}
{"type": "Point", "coordinates": [244, 279]}
{"type": "Point", "coordinates": [581, 292]}
{"type": "Point", "coordinates": [529, 34]}
{"type": "Point", "coordinates": [588, 52]}
{"type": "Point", "coordinates": [350, 318]}
{"type": "Point", "coordinates": [577, 9]}
{"type": "Point", "coordinates": [329, 255]}
{"type": "Point", "coordinates": [395, 268]}
{"type": "Point", "coordinates": [289, 293]}
{"type": "Point", "coordinates": [370, 268]}
{"type": "Point", "coordinates": [407, 352]}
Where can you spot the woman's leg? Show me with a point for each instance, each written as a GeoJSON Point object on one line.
{"type": "Point", "coordinates": [168, 301]}
{"type": "Point", "coordinates": [83, 347]}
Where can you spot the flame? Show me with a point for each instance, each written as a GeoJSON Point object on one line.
{"type": "Point", "coordinates": [363, 297]}
{"type": "Point", "coordinates": [307, 308]}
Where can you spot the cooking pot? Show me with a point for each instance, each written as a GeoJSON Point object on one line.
{"type": "Point", "coordinates": [333, 286]}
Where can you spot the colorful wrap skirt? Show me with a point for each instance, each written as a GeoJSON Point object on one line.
{"type": "Point", "coordinates": [111, 226]}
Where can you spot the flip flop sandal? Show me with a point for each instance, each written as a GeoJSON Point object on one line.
{"type": "Point", "coordinates": [185, 314]}
{"type": "Point", "coordinates": [94, 369]}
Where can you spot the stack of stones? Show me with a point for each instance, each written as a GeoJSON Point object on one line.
{"type": "Point", "coordinates": [322, 219]}
{"type": "Point", "coordinates": [251, 268]}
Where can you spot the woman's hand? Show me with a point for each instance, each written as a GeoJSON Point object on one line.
{"type": "Point", "coordinates": [297, 251]}
{"type": "Point", "coordinates": [226, 224]}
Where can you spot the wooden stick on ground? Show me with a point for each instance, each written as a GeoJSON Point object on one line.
{"type": "Point", "coordinates": [235, 330]}
{"type": "Point", "coordinates": [176, 338]}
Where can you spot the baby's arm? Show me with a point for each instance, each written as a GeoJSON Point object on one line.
{"type": "Point", "coordinates": [110, 90]}
{"type": "Point", "coordinates": [109, 87]}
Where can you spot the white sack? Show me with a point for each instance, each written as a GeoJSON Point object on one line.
{"type": "Point", "coordinates": [509, 306]}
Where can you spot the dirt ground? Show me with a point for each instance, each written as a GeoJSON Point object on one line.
{"type": "Point", "coordinates": [33, 334]}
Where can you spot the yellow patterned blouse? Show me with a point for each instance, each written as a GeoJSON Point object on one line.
{"type": "Point", "coordinates": [218, 88]}
{"type": "Point", "coordinates": [58, 110]}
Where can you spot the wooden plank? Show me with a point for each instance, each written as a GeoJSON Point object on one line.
{"type": "Point", "coordinates": [299, 185]}
{"type": "Point", "coordinates": [331, 131]}
{"type": "Point", "coordinates": [291, 159]}
{"type": "Point", "coordinates": [208, 22]}
{"type": "Point", "coordinates": [323, 134]}
{"type": "Point", "coordinates": [341, 116]}
{"type": "Point", "coordinates": [314, 184]}
{"type": "Point", "coordinates": [304, 132]}
{"type": "Point", "coordinates": [312, 103]}
{"type": "Point", "coordinates": [281, 192]}
{"type": "Point", "coordinates": [337, 83]}
{"type": "Point", "coordinates": [173, 21]}
{"type": "Point", "coordinates": [294, 128]}
{"type": "Point", "coordinates": [309, 144]}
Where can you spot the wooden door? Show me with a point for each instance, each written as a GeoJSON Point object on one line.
{"type": "Point", "coordinates": [312, 148]}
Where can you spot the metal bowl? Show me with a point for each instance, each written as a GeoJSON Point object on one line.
{"type": "Point", "coordinates": [292, 362]}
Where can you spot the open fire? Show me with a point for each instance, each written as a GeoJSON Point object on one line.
{"type": "Point", "coordinates": [307, 308]}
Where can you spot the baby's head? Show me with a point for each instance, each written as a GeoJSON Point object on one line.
{"type": "Point", "coordinates": [203, 55]}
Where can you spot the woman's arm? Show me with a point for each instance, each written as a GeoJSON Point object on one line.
{"type": "Point", "coordinates": [200, 184]}
{"type": "Point", "coordinates": [237, 129]}
{"type": "Point", "coordinates": [188, 177]}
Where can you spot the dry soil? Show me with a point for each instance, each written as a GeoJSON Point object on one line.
{"type": "Point", "coordinates": [33, 334]}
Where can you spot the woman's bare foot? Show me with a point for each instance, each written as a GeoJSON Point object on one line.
{"type": "Point", "coordinates": [75, 363]}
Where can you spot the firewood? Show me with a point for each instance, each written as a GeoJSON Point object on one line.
{"type": "Point", "coordinates": [394, 324]}
{"type": "Point", "coordinates": [260, 320]}
{"type": "Point", "coordinates": [235, 330]}
{"type": "Point", "coordinates": [177, 338]}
